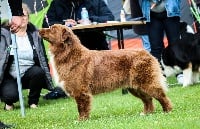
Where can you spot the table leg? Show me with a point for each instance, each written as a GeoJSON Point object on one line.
{"type": "Point", "coordinates": [120, 38]}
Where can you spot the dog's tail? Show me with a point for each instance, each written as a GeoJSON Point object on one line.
{"type": "Point", "coordinates": [164, 83]}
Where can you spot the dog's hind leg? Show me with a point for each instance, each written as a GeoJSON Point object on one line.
{"type": "Point", "coordinates": [165, 102]}
{"type": "Point", "coordinates": [83, 101]}
{"type": "Point", "coordinates": [159, 94]}
{"type": "Point", "coordinates": [146, 99]}
{"type": "Point", "coordinates": [187, 76]}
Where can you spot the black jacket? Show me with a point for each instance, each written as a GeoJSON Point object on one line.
{"type": "Point", "coordinates": [98, 11]}
{"type": "Point", "coordinates": [60, 10]}
{"type": "Point", "coordinates": [16, 7]}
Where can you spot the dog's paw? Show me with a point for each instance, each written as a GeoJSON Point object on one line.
{"type": "Point", "coordinates": [185, 85]}
{"type": "Point", "coordinates": [142, 114]}
{"type": "Point", "coordinates": [83, 118]}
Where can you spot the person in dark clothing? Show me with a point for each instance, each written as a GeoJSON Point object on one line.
{"type": "Point", "coordinates": [33, 65]}
{"type": "Point", "coordinates": [63, 11]}
{"type": "Point", "coordinates": [17, 12]}
{"type": "Point", "coordinates": [162, 17]}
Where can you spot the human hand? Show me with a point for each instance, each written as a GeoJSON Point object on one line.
{"type": "Point", "coordinates": [84, 22]}
{"type": "Point", "coordinates": [70, 22]}
{"type": "Point", "coordinates": [15, 24]}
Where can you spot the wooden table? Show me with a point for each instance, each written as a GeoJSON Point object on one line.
{"type": "Point", "coordinates": [118, 26]}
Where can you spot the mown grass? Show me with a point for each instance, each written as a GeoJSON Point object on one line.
{"type": "Point", "coordinates": [111, 111]}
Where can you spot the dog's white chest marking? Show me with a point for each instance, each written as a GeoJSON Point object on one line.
{"type": "Point", "coordinates": [55, 73]}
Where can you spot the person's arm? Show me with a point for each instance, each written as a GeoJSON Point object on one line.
{"type": "Point", "coordinates": [16, 7]}
{"type": "Point", "coordinates": [104, 13]}
{"type": "Point", "coordinates": [17, 12]}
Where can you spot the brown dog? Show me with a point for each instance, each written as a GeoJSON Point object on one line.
{"type": "Point", "coordinates": [84, 72]}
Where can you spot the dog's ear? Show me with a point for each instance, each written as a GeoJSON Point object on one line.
{"type": "Point", "coordinates": [64, 35]}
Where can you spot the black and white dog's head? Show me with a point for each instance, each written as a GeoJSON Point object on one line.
{"type": "Point", "coordinates": [186, 31]}
{"type": "Point", "coordinates": [170, 63]}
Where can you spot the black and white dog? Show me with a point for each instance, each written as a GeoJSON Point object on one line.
{"type": "Point", "coordinates": [183, 56]}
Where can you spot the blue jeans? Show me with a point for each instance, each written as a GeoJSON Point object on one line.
{"type": "Point", "coordinates": [146, 43]}
{"type": "Point", "coordinates": [159, 24]}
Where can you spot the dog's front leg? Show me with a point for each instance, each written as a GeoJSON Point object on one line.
{"type": "Point", "coordinates": [195, 77]}
{"type": "Point", "coordinates": [187, 77]}
{"type": "Point", "coordinates": [83, 101]}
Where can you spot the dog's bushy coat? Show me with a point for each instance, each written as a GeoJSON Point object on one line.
{"type": "Point", "coordinates": [84, 72]}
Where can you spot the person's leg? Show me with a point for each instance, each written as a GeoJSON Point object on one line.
{"type": "Point", "coordinates": [156, 35]}
{"type": "Point", "coordinates": [172, 29]}
{"type": "Point", "coordinates": [146, 43]}
{"type": "Point", "coordinates": [34, 79]}
{"type": "Point", "coordinates": [9, 92]}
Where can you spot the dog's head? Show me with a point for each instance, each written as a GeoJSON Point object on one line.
{"type": "Point", "coordinates": [186, 31]}
{"type": "Point", "coordinates": [169, 63]}
{"type": "Point", "coordinates": [57, 34]}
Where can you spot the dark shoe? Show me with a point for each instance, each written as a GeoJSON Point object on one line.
{"type": "Point", "coordinates": [55, 94]}
{"type": "Point", "coordinates": [124, 91]}
{"type": "Point", "coordinates": [179, 78]}
{"type": "Point", "coordinates": [4, 126]}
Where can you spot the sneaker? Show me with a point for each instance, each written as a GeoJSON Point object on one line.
{"type": "Point", "coordinates": [179, 78]}
{"type": "Point", "coordinates": [55, 94]}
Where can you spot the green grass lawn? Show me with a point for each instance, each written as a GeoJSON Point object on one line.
{"type": "Point", "coordinates": [111, 111]}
